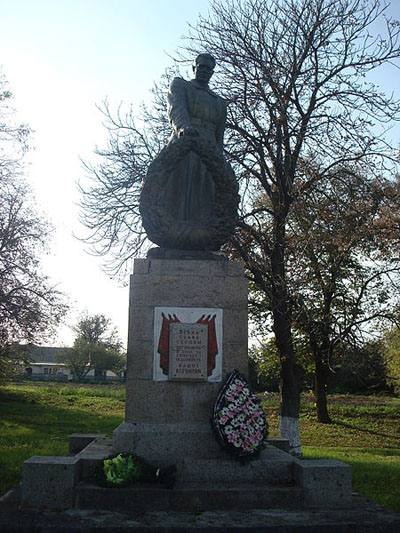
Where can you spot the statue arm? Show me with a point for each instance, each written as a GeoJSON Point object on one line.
{"type": "Point", "coordinates": [178, 106]}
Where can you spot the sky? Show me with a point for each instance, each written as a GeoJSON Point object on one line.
{"type": "Point", "coordinates": [61, 58]}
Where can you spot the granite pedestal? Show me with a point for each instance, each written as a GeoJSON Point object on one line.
{"type": "Point", "coordinates": [166, 420]}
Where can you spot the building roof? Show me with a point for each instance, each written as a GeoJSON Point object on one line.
{"type": "Point", "coordinates": [45, 354]}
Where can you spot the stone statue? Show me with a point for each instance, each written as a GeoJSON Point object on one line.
{"type": "Point", "coordinates": [193, 109]}
{"type": "Point", "coordinates": [189, 199]}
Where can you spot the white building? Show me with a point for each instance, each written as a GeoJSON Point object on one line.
{"type": "Point", "coordinates": [44, 364]}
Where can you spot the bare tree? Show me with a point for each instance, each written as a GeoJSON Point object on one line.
{"type": "Point", "coordinates": [110, 202]}
{"type": "Point", "coordinates": [294, 72]}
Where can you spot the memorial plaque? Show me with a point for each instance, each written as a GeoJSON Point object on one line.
{"type": "Point", "coordinates": [208, 317]}
{"type": "Point", "coordinates": [188, 352]}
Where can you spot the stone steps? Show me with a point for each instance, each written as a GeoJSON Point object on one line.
{"type": "Point", "coordinates": [272, 479]}
{"type": "Point", "coordinates": [272, 467]}
{"type": "Point", "coordinates": [189, 497]}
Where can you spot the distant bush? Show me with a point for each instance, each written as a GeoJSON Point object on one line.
{"type": "Point", "coordinates": [390, 351]}
{"type": "Point", "coordinates": [363, 370]}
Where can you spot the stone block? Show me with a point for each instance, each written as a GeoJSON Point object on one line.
{"type": "Point", "coordinates": [279, 442]}
{"type": "Point", "coordinates": [49, 481]}
{"type": "Point", "coordinates": [235, 357]}
{"type": "Point", "coordinates": [78, 441]}
{"type": "Point", "coordinates": [168, 401]}
{"type": "Point", "coordinates": [91, 458]}
{"type": "Point", "coordinates": [327, 481]}
{"type": "Point", "coordinates": [166, 443]}
{"type": "Point", "coordinates": [190, 291]}
{"type": "Point", "coordinates": [140, 360]}
{"type": "Point", "coordinates": [192, 500]}
{"type": "Point", "coordinates": [155, 405]}
{"type": "Point", "coordinates": [184, 267]}
{"type": "Point", "coordinates": [141, 323]}
{"type": "Point", "coordinates": [140, 266]}
{"type": "Point", "coordinates": [270, 467]}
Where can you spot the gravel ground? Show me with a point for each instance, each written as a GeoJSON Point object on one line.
{"type": "Point", "coordinates": [363, 517]}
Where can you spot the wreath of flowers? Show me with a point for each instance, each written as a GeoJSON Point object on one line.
{"type": "Point", "coordinates": [238, 418]}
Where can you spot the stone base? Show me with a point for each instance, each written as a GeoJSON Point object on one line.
{"type": "Point", "coordinates": [50, 481]}
{"type": "Point", "coordinates": [168, 422]}
{"type": "Point", "coordinates": [326, 480]}
{"type": "Point", "coordinates": [273, 479]}
{"type": "Point", "coordinates": [165, 420]}
{"type": "Point", "coordinates": [191, 498]}
{"type": "Point", "coordinates": [197, 454]}
{"type": "Point", "coordinates": [166, 443]}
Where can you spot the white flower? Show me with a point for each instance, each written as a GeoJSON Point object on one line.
{"type": "Point", "coordinates": [228, 430]}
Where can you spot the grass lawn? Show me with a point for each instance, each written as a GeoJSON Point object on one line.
{"type": "Point", "coordinates": [37, 419]}
{"type": "Point", "coordinates": [365, 433]}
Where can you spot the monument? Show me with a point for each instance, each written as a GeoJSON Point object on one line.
{"type": "Point", "coordinates": [188, 304]}
{"type": "Point", "coordinates": [188, 327]}
{"type": "Point", "coordinates": [188, 332]}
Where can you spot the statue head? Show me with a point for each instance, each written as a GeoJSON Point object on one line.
{"type": "Point", "coordinates": [203, 68]}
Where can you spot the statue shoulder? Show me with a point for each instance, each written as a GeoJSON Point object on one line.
{"type": "Point", "coordinates": [215, 94]}
{"type": "Point", "coordinates": [178, 84]}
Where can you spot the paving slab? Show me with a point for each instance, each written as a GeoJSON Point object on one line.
{"type": "Point", "coordinates": [363, 517]}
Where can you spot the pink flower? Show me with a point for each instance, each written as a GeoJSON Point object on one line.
{"type": "Point", "coordinates": [234, 436]}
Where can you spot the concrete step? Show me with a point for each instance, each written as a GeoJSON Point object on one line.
{"type": "Point", "coordinates": [271, 467]}
{"type": "Point", "coordinates": [363, 517]}
{"type": "Point", "coordinates": [189, 497]}
{"type": "Point", "coordinates": [91, 457]}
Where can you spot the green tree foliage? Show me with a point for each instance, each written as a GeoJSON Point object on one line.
{"type": "Point", "coordinates": [30, 307]}
{"type": "Point", "coordinates": [343, 268]}
{"type": "Point", "coordinates": [265, 365]}
{"type": "Point", "coordinates": [390, 350]}
{"type": "Point", "coordinates": [294, 72]}
{"type": "Point", "coordinates": [343, 275]}
{"type": "Point", "coordinates": [361, 369]}
{"type": "Point", "coordinates": [96, 346]}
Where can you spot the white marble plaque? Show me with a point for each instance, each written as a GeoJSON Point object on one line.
{"type": "Point", "coordinates": [209, 318]}
{"type": "Point", "coordinates": [188, 352]}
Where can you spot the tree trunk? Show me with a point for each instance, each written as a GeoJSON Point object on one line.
{"type": "Point", "coordinates": [321, 380]}
{"type": "Point", "coordinates": [290, 376]}
{"type": "Point", "coordinates": [290, 407]}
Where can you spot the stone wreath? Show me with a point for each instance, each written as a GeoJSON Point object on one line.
{"type": "Point", "coordinates": [161, 227]}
